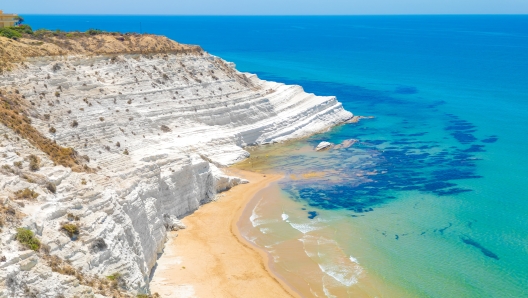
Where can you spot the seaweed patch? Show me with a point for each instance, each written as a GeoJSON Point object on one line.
{"type": "Point", "coordinates": [484, 250]}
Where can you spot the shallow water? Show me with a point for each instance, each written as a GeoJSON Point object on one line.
{"type": "Point", "coordinates": [430, 199]}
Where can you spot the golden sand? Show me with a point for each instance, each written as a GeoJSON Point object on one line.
{"type": "Point", "coordinates": [211, 259]}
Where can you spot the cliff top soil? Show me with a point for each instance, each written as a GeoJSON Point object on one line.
{"type": "Point", "coordinates": [50, 43]}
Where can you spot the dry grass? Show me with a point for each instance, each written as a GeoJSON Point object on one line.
{"type": "Point", "coordinates": [26, 194]}
{"type": "Point", "coordinates": [72, 217]}
{"type": "Point", "coordinates": [112, 286]}
{"type": "Point", "coordinates": [101, 286]}
{"type": "Point", "coordinates": [13, 114]}
{"type": "Point", "coordinates": [55, 43]}
{"type": "Point", "coordinates": [7, 169]}
{"type": "Point", "coordinates": [9, 216]}
{"type": "Point", "coordinates": [27, 178]}
{"type": "Point", "coordinates": [34, 162]}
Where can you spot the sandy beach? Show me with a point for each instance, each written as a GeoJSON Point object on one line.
{"type": "Point", "coordinates": [211, 259]}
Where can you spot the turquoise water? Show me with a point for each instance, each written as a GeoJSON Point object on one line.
{"type": "Point", "coordinates": [431, 199]}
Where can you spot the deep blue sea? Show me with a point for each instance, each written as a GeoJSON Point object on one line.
{"type": "Point", "coordinates": [431, 201]}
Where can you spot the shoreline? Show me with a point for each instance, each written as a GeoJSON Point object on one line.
{"type": "Point", "coordinates": [210, 258]}
{"type": "Point", "coordinates": [251, 200]}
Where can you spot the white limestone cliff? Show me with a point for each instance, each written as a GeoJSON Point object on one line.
{"type": "Point", "coordinates": [179, 118]}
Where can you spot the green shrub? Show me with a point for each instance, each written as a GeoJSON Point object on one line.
{"type": "Point", "coordinates": [10, 33]}
{"type": "Point", "coordinates": [94, 31]}
{"type": "Point", "coordinates": [18, 164]}
{"type": "Point", "coordinates": [155, 295]}
{"type": "Point", "coordinates": [114, 276]}
{"type": "Point", "coordinates": [27, 238]}
{"type": "Point", "coordinates": [41, 31]}
{"type": "Point", "coordinates": [71, 229]}
{"type": "Point", "coordinates": [24, 29]}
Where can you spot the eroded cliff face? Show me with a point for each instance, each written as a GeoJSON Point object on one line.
{"type": "Point", "coordinates": [152, 130]}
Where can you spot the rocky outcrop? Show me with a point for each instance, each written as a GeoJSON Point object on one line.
{"type": "Point", "coordinates": [154, 128]}
{"type": "Point", "coordinates": [323, 146]}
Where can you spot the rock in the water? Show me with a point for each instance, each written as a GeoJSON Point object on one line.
{"type": "Point", "coordinates": [356, 119]}
{"type": "Point", "coordinates": [323, 146]}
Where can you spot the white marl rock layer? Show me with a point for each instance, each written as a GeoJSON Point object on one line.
{"type": "Point", "coordinates": [179, 117]}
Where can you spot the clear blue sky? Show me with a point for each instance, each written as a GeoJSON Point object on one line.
{"type": "Point", "coordinates": [265, 7]}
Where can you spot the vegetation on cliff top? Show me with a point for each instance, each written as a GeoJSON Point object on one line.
{"type": "Point", "coordinates": [16, 32]}
{"type": "Point", "coordinates": [26, 31]}
{"type": "Point", "coordinates": [19, 43]}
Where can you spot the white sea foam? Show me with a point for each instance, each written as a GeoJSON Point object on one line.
{"type": "Point", "coordinates": [354, 260]}
{"type": "Point", "coordinates": [266, 230]}
{"type": "Point", "coordinates": [272, 245]}
{"type": "Point", "coordinates": [256, 219]}
{"type": "Point", "coordinates": [313, 292]}
{"type": "Point", "coordinates": [345, 274]}
{"type": "Point", "coordinates": [332, 260]}
{"type": "Point", "coordinates": [253, 217]}
{"type": "Point", "coordinates": [285, 216]}
{"type": "Point", "coordinates": [327, 292]}
{"type": "Point", "coordinates": [306, 227]}
{"type": "Point", "coordinates": [251, 239]}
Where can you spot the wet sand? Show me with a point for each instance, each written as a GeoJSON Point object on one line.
{"type": "Point", "coordinates": [211, 259]}
{"type": "Point", "coordinates": [300, 271]}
